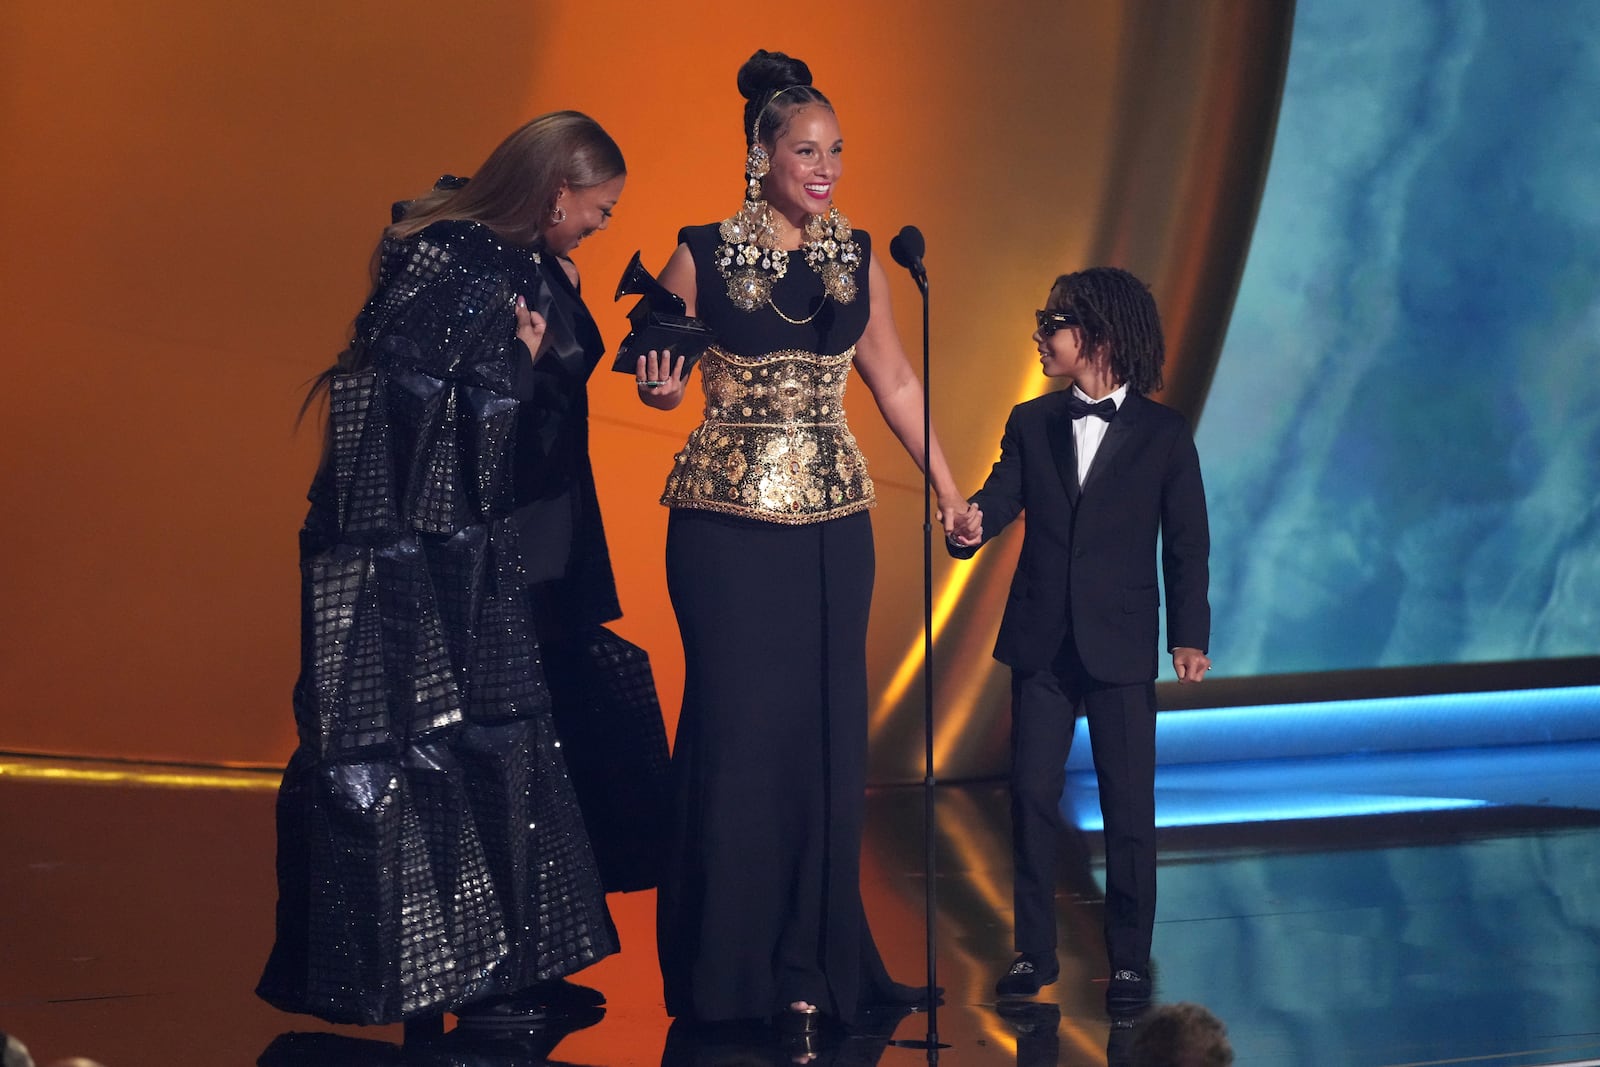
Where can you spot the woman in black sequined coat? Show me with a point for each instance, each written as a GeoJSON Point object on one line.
{"type": "Point", "coordinates": [431, 854]}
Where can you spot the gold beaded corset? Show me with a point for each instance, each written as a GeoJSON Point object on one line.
{"type": "Point", "coordinates": [774, 444]}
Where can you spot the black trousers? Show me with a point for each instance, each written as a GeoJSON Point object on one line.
{"type": "Point", "coordinates": [1045, 705]}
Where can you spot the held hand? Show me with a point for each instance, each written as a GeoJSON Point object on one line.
{"type": "Point", "coordinates": [530, 327]}
{"type": "Point", "coordinates": [1191, 664]}
{"type": "Point", "coordinates": [967, 530]}
{"type": "Point", "coordinates": [661, 383]}
{"type": "Point", "coordinates": [949, 511]}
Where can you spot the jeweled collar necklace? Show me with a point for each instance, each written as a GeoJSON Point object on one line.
{"type": "Point", "coordinates": [751, 262]}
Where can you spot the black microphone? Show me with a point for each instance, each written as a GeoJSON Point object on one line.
{"type": "Point", "coordinates": [907, 248]}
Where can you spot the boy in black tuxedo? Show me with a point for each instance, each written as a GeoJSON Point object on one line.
{"type": "Point", "coordinates": [1100, 470]}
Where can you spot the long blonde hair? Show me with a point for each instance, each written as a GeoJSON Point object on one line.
{"type": "Point", "coordinates": [513, 193]}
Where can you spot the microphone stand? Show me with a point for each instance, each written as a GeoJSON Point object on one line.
{"type": "Point", "coordinates": [932, 1044]}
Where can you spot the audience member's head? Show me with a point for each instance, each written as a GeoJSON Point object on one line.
{"type": "Point", "coordinates": [1181, 1035]}
{"type": "Point", "coordinates": [13, 1053]}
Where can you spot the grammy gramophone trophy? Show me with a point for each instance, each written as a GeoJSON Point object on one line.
{"type": "Point", "coordinates": [658, 322]}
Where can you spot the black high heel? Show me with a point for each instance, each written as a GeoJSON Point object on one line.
{"type": "Point", "coordinates": [797, 1022]}
{"type": "Point", "coordinates": [803, 1048]}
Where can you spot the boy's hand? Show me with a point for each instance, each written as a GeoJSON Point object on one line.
{"type": "Point", "coordinates": [1191, 664]}
{"type": "Point", "coordinates": [967, 528]}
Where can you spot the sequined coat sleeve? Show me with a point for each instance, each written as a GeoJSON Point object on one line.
{"type": "Point", "coordinates": [408, 554]}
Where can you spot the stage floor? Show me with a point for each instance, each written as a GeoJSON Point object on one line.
{"type": "Point", "coordinates": [137, 910]}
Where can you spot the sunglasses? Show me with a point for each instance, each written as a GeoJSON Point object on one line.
{"type": "Point", "coordinates": [1051, 321]}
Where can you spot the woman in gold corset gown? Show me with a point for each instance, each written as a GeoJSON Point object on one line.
{"type": "Point", "coordinates": [770, 566]}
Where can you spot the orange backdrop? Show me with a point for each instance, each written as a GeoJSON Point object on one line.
{"type": "Point", "coordinates": [193, 191]}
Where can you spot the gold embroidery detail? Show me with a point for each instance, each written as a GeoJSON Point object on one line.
{"type": "Point", "coordinates": [751, 262]}
{"type": "Point", "coordinates": [774, 444]}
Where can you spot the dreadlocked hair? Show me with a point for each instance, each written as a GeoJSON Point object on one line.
{"type": "Point", "coordinates": [1118, 312]}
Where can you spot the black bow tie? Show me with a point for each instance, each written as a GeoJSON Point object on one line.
{"type": "Point", "coordinates": [1078, 407]}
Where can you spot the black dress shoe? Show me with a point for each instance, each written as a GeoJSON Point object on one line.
{"type": "Point", "coordinates": [1031, 972]}
{"type": "Point", "coordinates": [1030, 1016]}
{"type": "Point", "coordinates": [1128, 994]}
{"type": "Point", "coordinates": [529, 1008]}
{"type": "Point", "coordinates": [501, 1013]}
{"type": "Point", "coordinates": [479, 1045]}
{"type": "Point", "coordinates": [1119, 1044]}
{"type": "Point", "coordinates": [560, 993]}
{"type": "Point", "coordinates": [1037, 1024]}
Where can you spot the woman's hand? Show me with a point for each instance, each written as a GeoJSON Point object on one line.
{"type": "Point", "coordinates": [952, 514]}
{"type": "Point", "coordinates": [530, 327]}
{"type": "Point", "coordinates": [967, 530]}
{"type": "Point", "coordinates": [659, 386]}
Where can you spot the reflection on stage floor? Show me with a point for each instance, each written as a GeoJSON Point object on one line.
{"type": "Point", "coordinates": [138, 910]}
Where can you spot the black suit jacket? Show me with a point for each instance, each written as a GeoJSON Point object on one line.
{"type": "Point", "coordinates": [1088, 563]}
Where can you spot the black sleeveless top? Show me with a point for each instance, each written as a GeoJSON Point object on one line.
{"type": "Point", "coordinates": [754, 333]}
{"type": "Point", "coordinates": [774, 444]}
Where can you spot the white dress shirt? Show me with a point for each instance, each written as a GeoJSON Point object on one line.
{"type": "Point", "coordinates": [1090, 430]}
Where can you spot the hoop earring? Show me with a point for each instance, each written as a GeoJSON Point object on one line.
{"type": "Point", "coordinates": [558, 216]}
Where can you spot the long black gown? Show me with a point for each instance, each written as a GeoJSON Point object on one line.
{"type": "Point", "coordinates": [614, 746]}
{"type": "Point", "coordinates": [430, 848]}
{"type": "Point", "coordinates": [770, 567]}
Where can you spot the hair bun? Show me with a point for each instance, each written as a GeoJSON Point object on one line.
{"type": "Point", "coordinates": [767, 72]}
